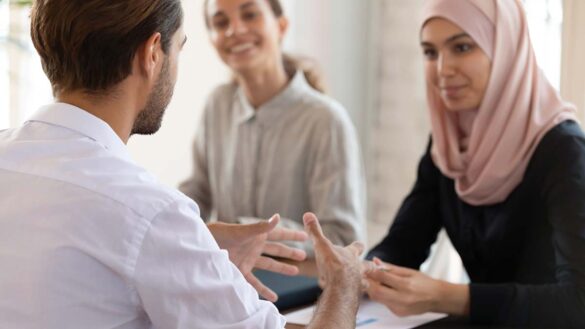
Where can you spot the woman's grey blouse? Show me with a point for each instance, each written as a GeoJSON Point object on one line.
{"type": "Point", "coordinates": [298, 152]}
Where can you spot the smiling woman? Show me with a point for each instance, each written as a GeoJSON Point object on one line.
{"type": "Point", "coordinates": [502, 174]}
{"type": "Point", "coordinates": [270, 141]}
{"type": "Point", "coordinates": [399, 72]}
{"type": "Point", "coordinates": [455, 65]}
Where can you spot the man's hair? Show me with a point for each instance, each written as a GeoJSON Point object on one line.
{"type": "Point", "coordinates": [89, 45]}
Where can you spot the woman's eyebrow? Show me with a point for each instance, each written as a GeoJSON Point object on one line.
{"type": "Point", "coordinates": [247, 5]}
{"type": "Point", "coordinates": [449, 40]}
{"type": "Point", "coordinates": [455, 37]}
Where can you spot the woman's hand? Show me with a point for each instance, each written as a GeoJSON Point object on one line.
{"type": "Point", "coordinates": [247, 244]}
{"type": "Point", "coordinates": [409, 292]}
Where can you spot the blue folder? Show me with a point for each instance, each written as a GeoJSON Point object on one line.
{"type": "Point", "coordinates": [292, 291]}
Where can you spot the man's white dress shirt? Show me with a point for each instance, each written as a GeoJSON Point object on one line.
{"type": "Point", "coordinates": [89, 239]}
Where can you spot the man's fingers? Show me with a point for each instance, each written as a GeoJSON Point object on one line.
{"type": "Point", "coordinates": [269, 225]}
{"type": "Point", "coordinates": [261, 227]}
{"type": "Point", "coordinates": [262, 290]}
{"type": "Point", "coordinates": [272, 265]}
{"type": "Point", "coordinates": [283, 251]}
{"type": "Point", "coordinates": [322, 281]}
{"type": "Point", "coordinates": [287, 234]}
{"type": "Point", "coordinates": [274, 232]}
{"type": "Point", "coordinates": [364, 285]}
{"type": "Point", "coordinates": [368, 266]}
{"type": "Point", "coordinates": [313, 228]}
{"type": "Point", "coordinates": [357, 248]}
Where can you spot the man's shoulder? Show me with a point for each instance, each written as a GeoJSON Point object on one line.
{"type": "Point", "coordinates": [137, 188]}
{"type": "Point", "coordinates": [128, 184]}
{"type": "Point", "coordinates": [91, 168]}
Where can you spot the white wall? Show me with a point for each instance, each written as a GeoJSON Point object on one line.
{"type": "Point", "coordinates": [573, 66]}
{"type": "Point", "coordinates": [167, 154]}
{"type": "Point", "coordinates": [336, 34]}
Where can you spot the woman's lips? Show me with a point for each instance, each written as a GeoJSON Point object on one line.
{"type": "Point", "coordinates": [241, 48]}
{"type": "Point", "coordinates": [452, 91]}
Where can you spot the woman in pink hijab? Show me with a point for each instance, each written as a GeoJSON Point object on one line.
{"type": "Point", "coordinates": [504, 175]}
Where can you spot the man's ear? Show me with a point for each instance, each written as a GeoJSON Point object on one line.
{"type": "Point", "coordinates": [150, 55]}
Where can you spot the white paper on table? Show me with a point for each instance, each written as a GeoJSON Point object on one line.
{"type": "Point", "coordinates": [371, 315]}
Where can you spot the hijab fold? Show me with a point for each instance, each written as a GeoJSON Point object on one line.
{"type": "Point", "coordinates": [486, 151]}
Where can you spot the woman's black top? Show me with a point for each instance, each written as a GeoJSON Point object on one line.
{"type": "Point", "coordinates": [525, 256]}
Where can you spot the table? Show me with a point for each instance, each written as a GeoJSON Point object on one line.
{"type": "Point", "coordinates": [309, 268]}
{"type": "Point", "coordinates": [447, 323]}
{"type": "Point", "coordinates": [450, 322]}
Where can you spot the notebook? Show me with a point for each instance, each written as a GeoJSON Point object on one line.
{"type": "Point", "coordinates": [292, 291]}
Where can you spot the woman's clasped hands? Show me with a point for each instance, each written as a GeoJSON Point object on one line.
{"type": "Point", "coordinates": [406, 292]}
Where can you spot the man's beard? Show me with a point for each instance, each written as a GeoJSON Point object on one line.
{"type": "Point", "coordinates": [150, 118]}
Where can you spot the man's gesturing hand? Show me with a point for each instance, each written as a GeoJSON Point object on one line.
{"type": "Point", "coordinates": [248, 244]}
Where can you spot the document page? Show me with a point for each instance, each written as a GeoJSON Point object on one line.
{"type": "Point", "coordinates": [371, 315]}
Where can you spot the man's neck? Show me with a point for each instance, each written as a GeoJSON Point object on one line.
{"type": "Point", "coordinates": [118, 112]}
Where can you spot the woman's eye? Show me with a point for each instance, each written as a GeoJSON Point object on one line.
{"type": "Point", "coordinates": [462, 47]}
{"type": "Point", "coordinates": [249, 15]}
{"type": "Point", "coordinates": [429, 53]}
{"type": "Point", "coordinates": [220, 24]}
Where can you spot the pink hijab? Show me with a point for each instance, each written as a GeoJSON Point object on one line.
{"type": "Point", "coordinates": [486, 151]}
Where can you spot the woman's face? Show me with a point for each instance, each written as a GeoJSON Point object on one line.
{"type": "Point", "coordinates": [455, 65]}
{"type": "Point", "coordinates": [245, 33]}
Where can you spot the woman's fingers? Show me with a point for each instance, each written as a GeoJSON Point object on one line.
{"type": "Point", "coordinates": [388, 278]}
{"type": "Point", "coordinates": [381, 293]}
{"type": "Point", "coordinates": [402, 271]}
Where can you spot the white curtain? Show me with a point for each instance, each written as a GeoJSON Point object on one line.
{"type": "Point", "coordinates": [573, 57]}
{"type": "Point", "coordinates": [23, 85]}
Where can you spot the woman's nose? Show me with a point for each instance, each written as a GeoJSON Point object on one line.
{"type": "Point", "coordinates": [237, 26]}
{"type": "Point", "coordinates": [445, 65]}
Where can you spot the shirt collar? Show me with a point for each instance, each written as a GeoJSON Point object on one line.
{"type": "Point", "coordinates": [81, 121]}
{"type": "Point", "coordinates": [271, 110]}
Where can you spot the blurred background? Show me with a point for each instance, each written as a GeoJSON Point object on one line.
{"type": "Point", "coordinates": [369, 53]}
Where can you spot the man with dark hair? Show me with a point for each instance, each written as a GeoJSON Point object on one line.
{"type": "Point", "coordinates": [89, 239]}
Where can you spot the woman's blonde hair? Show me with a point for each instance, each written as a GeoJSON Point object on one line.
{"type": "Point", "coordinates": [309, 67]}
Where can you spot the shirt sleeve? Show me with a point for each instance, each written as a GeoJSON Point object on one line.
{"type": "Point", "coordinates": [560, 304]}
{"type": "Point", "coordinates": [417, 223]}
{"type": "Point", "coordinates": [185, 281]}
{"type": "Point", "coordinates": [197, 186]}
{"type": "Point", "coordinates": [336, 181]}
